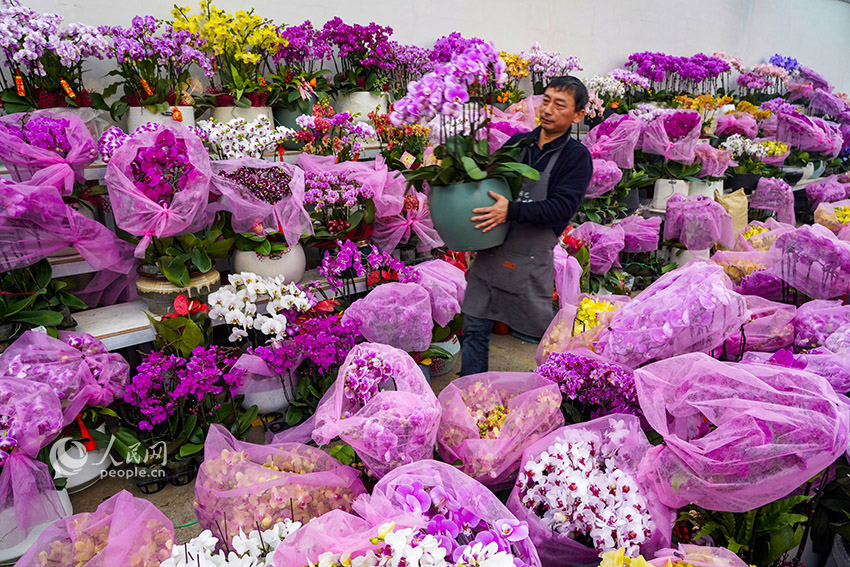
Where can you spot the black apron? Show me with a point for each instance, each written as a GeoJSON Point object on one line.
{"type": "Point", "coordinates": [513, 282]}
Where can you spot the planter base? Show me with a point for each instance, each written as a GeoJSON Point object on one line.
{"type": "Point", "coordinates": [10, 555]}
{"type": "Point", "coordinates": [160, 294]}
{"type": "Point", "coordinates": [290, 265]}
{"type": "Point", "coordinates": [451, 209]}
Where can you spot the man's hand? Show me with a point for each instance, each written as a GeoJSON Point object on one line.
{"type": "Point", "coordinates": [493, 215]}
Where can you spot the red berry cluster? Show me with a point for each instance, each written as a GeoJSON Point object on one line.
{"type": "Point", "coordinates": [45, 99]}
{"type": "Point", "coordinates": [682, 533]}
{"type": "Point", "coordinates": [337, 226]}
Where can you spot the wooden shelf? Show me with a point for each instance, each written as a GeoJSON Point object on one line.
{"type": "Point", "coordinates": [117, 326]}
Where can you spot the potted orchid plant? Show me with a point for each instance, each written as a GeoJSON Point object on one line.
{"type": "Point", "coordinates": [153, 66]}
{"type": "Point", "coordinates": [45, 63]}
{"type": "Point", "coordinates": [240, 44]}
{"type": "Point", "coordinates": [463, 169]}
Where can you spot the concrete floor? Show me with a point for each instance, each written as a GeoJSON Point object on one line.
{"type": "Point", "coordinates": [506, 354]}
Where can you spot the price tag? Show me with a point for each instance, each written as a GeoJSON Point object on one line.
{"type": "Point", "coordinates": [407, 159]}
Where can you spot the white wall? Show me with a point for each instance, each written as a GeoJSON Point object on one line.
{"type": "Point", "coordinates": [601, 32]}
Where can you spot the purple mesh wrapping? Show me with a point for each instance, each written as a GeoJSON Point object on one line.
{"type": "Point", "coordinates": [698, 222]}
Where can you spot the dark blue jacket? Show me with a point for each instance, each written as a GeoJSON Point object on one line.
{"type": "Point", "coordinates": [567, 183]}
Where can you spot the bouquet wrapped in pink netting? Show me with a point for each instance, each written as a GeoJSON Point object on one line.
{"type": "Point", "coordinates": [686, 310]}
{"type": "Point", "coordinates": [698, 222]}
{"type": "Point", "coordinates": [835, 216]}
{"type": "Point", "coordinates": [673, 135]}
{"type": "Point", "coordinates": [715, 161]}
{"type": "Point", "coordinates": [446, 287]}
{"type": "Point", "coordinates": [263, 196]}
{"type": "Point", "coordinates": [455, 508]}
{"type": "Point", "coordinates": [396, 314]}
{"type": "Point", "coordinates": [604, 243]}
{"type": "Point", "coordinates": [606, 175]}
{"type": "Point", "coordinates": [808, 134]}
{"type": "Point", "coordinates": [570, 520]}
{"type": "Point", "coordinates": [76, 366]}
{"type": "Point", "coordinates": [30, 417]}
{"type": "Point", "coordinates": [567, 276]}
{"type": "Point", "coordinates": [821, 361]}
{"type": "Point", "coordinates": [640, 234]}
{"type": "Point", "coordinates": [159, 184]}
{"type": "Point", "coordinates": [241, 485]}
{"type": "Point", "coordinates": [775, 194]}
{"type": "Point", "coordinates": [42, 148]}
{"type": "Point", "coordinates": [414, 219]}
{"type": "Point", "coordinates": [760, 236]}
{"type": "Point", "coordinates": [36, 222]}
{"type": "Point", "coordinates": [698, 556]}
{"type": "Point", "coordinates": [770, 328]}
{"type": "Point", "coordinates": [615, 139]}
{"type": "Point", "coordinates": [817, 320]}
{"type": "Point", "coordinates": [813, 261]}
{"type": "Point", "coordinates": [387, 187]}
{"type": "Point", "coordinates": [488, 418]}
{"type": "Point", "coordinates": [737, 123]}
{"type": "Point", "coordinates": [737, 436]}
{"type": "Point", "coordinates": [382, 406]}
{"type": "Point", "coordinates": [826, 190]}
{"type": "Point", "coordinates": [740, 265]}
{"type": "Point", "coordinates": [124, 530]}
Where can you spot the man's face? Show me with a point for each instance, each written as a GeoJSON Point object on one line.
{"type": "Point", "coordinates": [558, 111]}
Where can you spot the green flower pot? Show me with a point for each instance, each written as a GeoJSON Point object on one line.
{"type": "Point", "coordinates": [286, 117]}
{"type": "Point", "coordinates": [451, 208]}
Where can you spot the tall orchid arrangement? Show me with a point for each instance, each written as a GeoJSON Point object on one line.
{"type": "Point", "coordinates": [299, 78]}
{"type": "Point", "coordinates": [455, 93]}
{"type": "Point", "coordinates": [240, 138]}
{"type": "Point", "coordinates": [410, 63]}
{"type": "Point", "coordinates": [45, 63]}
{"type": "Point", "coordinates": [670, 75]}
{"type": "Point", "coordinates": [543, 65]}
{"type": "Point", "coordinates": [362, 55]}
{"type": "Point", "coordinates": [240, 43]}
{"type": "Point", "coordinates": [330, 133]}
{"type": "Point", "coordinates": [153, 64]}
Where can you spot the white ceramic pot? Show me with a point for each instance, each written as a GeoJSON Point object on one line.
{"type": "Point", "coordinates": [682, 257]}
{"type": "Point", "coordinates": [228, 113]}
{"type": "Point", "coordinates": [70, 250]}
{"type": "Point", "coordinates": [272, 401]}
{"type": "Point", "coordinates": [9, 555]}
{"type": "Point", "coordinates": [808, 171]}
{"type": "Point", "coordinates": [361, 103]}
{"type": "Point", "coordinates": [664, 189]}
{"type": "Point", "coordinates": [84, 467]}
{"type": "Point", "coordinates": [705, 188]}
{"type": "Point", "coordinates": [290, 265]}
{"type": "Point", "coordinates": [840, 555]}
{"type": "Point", "coordinates": [139, 115]}
{"type": "Point", "coordinates": [440, 366]}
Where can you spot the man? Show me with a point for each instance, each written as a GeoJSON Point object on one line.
{"type": "Point", "coordinates": [513, 282]}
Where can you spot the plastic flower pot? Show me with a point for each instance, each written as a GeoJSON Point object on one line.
{"type": "Point", "coordinates": [441, 366]}
{"type": "Point", "coordinates": [139, 115]}
{"type": "Point", "coordinates": [291, 264]}
{"type": "Point", "coordinates": [9, 555]}
{"type": "Point", "coordinates": [704, 188]}
{"type": "Point", "coordinates": [664, 189]}
{"type": "Point", "coordinates": [93, 464]}
{"type": "Point", "coordinates": [746, 181]}
{"type": "Point", "coordinates": [286, 117]}
{"type": "Point", "coordinates": [451, 209]}
{"type": "Point", "coordinates": [160, 294]}
{"type": "Point", "coordinates": [228, 113]}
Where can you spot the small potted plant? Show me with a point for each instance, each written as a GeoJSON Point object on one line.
{"type": "Point", "coordinates": [330, 133]}
{"type": "Point", "coordinates": [153, 65]}
{"type": "Point", "coordinates": [543, 65]}
{"type": "Point", "coordinates": [343, 208]}
{"type": "Point", "coordinates": [464, 170]}
{"type": "Point", "coordinates": [240, 44]}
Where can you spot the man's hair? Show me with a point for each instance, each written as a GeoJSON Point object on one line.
{"type": "Point", "coordinates": [571, 85]}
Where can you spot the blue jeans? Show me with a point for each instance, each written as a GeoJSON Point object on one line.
{"type": "Point", "coordinates": [475, 356]}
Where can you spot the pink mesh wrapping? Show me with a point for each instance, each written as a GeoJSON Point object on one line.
{"type": "Point", "coordinates": [640, 234]}
{"type": "Point", "coordinates": [556, 549]}
{"type": "Point", "coordinates": [446, 287]}
{"type": "Point", "coordinates": [833, 137]}
{"type": "Point", "coordinates": [396, 314]}
{"type": "Point", "coordinates": [534, 406]}
{"type": "Point", "coordinates": [826, 364]}
{"type": "Point", "coordinates": [396, 426]}
{"type": "Point", "coordinates": [844, 234]}
{"type": "Point", "coordinates": [28, 497]}
{"type": "Point", "coordinates": [36, 222]}
{"type": "Point", "coordinates": [689, 309]}
{"type": "Point", "coordinates": [619, 145]}
{"type": "Point", "coordinates": [800, 88]}
{"type": "Point", "coordinates": [826, 190]}
{"type": "Point", "coordinates": [817, 320]}
{"type": "Point", "coordinates": [241, 485]}
{"type": "Point", "coordinates": [737, 123]}
{"type": "Point", "coordinates": [698, 556]}
{"type": "Point", "coordinates": [259, 378]}
{"type": "Point", "coordinates": [38, 166]}
{"type": "Point", "coordinates": [449, 489]}
{"type": "Point", "coordinates": [389, 232]}
{"type": "Point", "coordinates": [605, 177]}
{"type": "Point", "coordinates": [768, 126]}
{"type": "Point", "coordinates": [698, 222]}
{"type": "Point", "coordinates": [762, 241]}
{"type": "Point", "coordinates": [124, 531]}
{"type": "Point", "coordinates": [522, 115]}
{"type": "Point", "coordinates": [775, 428]}
{"type": "Point", "coordinates": [656, 141]}
{"type": "Point", "coordinates": [826, 215]}
{"type": "Point", "coordinates": [739, 265]}
{"type": "Point", "coordinates": [770, 328]}
{"type": "Point", "coordinates": [109, 288]}
{"type": "Point", "coordinates": [388, 187]}
{"type": "Point", "coordinates": [79, 378]}
{"type": "Point", "coordinates": [715, 161]}
{"type": "Point", "coordinates": [604, 243]}
{"type": "Point", "coordinates": [825, 102]}
{"type": "Point", "coordinates": [808, 134]}
{"type": "Point", "coordinates": [335, 532]}
{"type": "Point", "coordinates": [142, 216]}
{"type": "Point", "coordinates": [775, 194]}
{"type": "Point", "coordinates": [567, 276]}
{"type": "Point", "coordinates": [564, 335]}
{"type": "Point", "coordinates": [814, 262]}
{"type": "Point", "coordinates": [839, 341]}
{"type": "Point", "coordinates": [762, 283]}
{"type": "Point", "coordinates": [777, 160]}
{"type": "Point", "coordinates": [287, 216]}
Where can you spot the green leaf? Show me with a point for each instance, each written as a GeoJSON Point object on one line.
{"type": "Point", "coordinates": [37, 317]}
{"type": "Point", "coordinates": [201, 260]}
{"type": "Point", "coordinates": [72, 301]}
{"type": "Point", "coordinates": [246, 421]}
{"type": "Point", "coordinates": [220, 248]}
{"type": "Point", "coordinates": [472, 168]}
{"type": "Point", "coordinates": [189, 426]}
{"type": "Point", "coordinates": [175, 271]}
{"type": "Point", "coordinates": [190, 449]}
{"type": "Point", "coordinates": [265, 248]}
{"type": "Point", "coordinates": [192, 338]}
{"type": "Point", "coordinates": [780, 541]}
{"type": "Point", "coordinates": [243, 102]}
